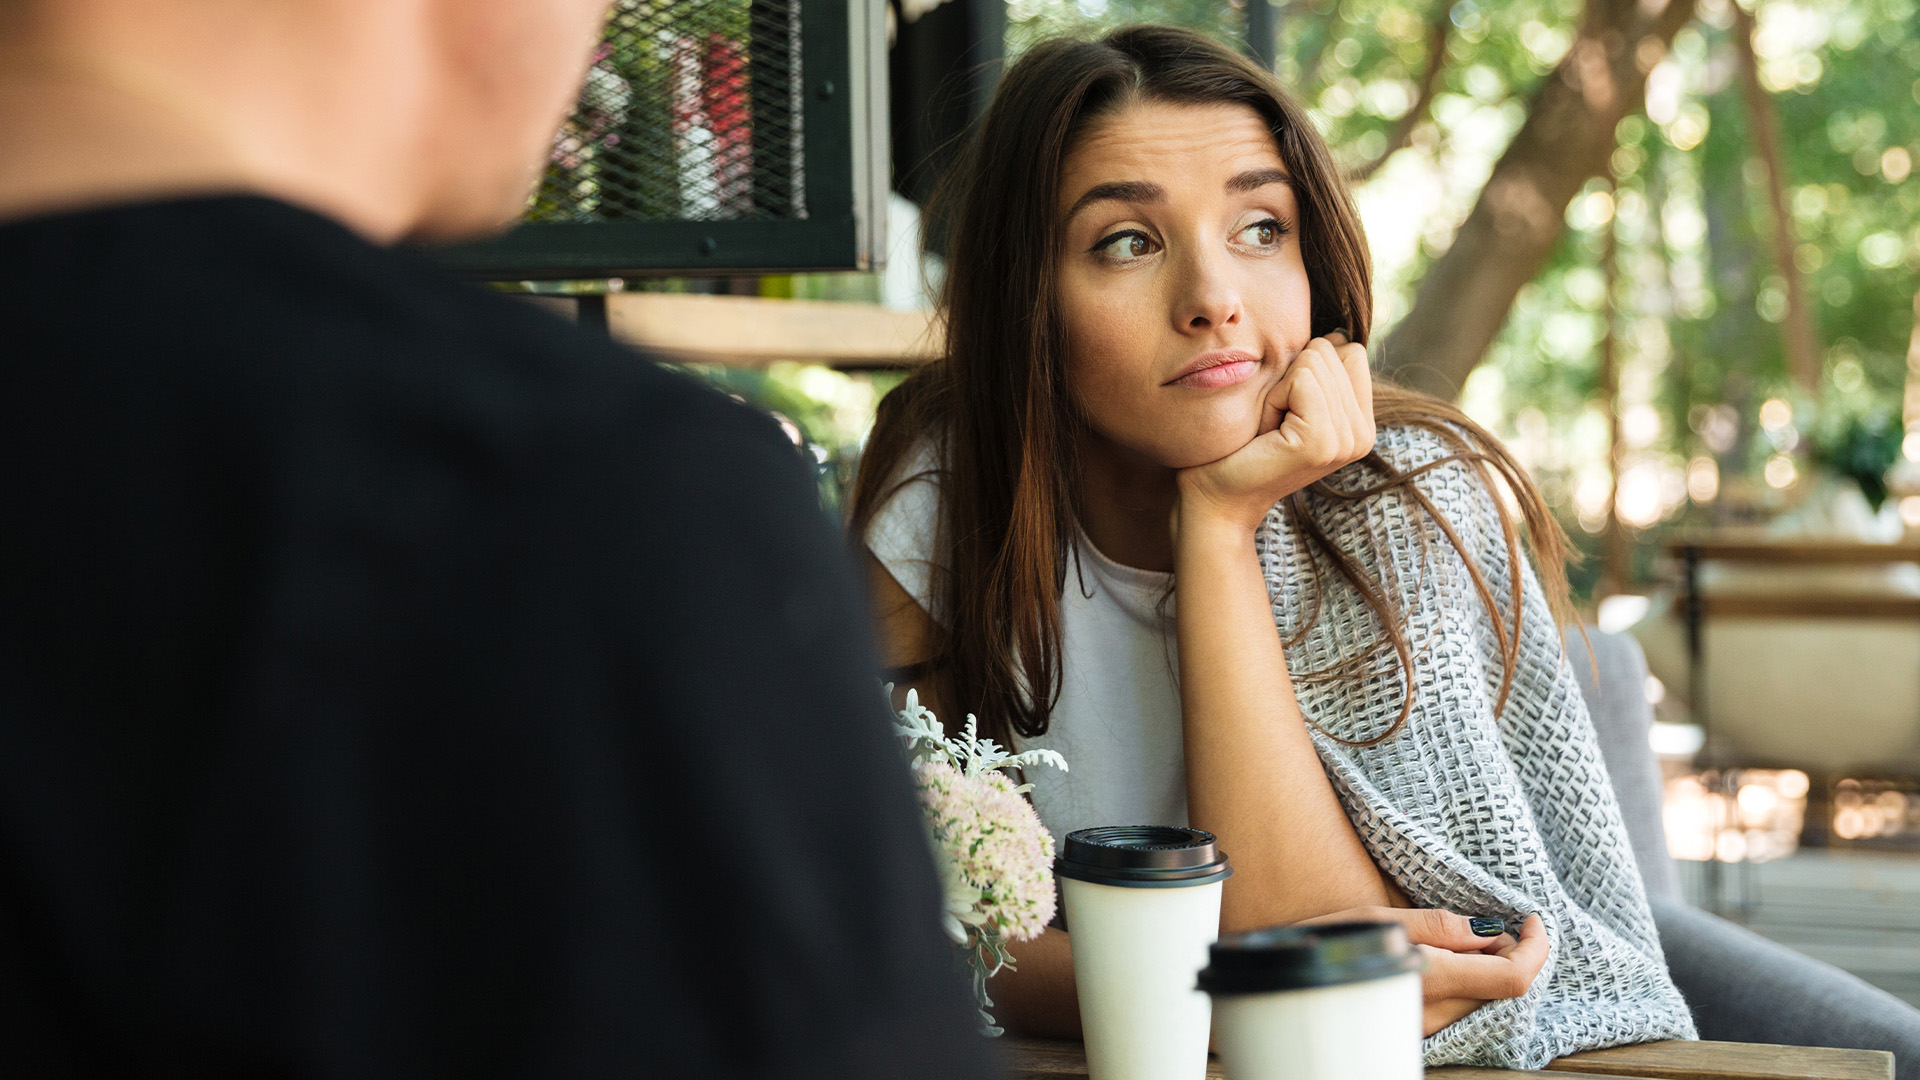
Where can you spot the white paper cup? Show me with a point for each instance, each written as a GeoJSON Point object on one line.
{"type": "Point", "coordinates": [1333, 1002]}
{"type": "Point", "coordinates": [1142, 905]}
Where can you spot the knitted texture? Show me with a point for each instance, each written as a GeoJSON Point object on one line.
{"type": "Point", "coordinates": [1508, 813]}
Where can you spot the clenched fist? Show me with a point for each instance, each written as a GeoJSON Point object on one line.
{"type": "Point", "coordinates": [1318, 418]}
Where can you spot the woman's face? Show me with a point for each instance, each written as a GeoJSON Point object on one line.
{"type": "Point", "coordinates": [1181, 280]}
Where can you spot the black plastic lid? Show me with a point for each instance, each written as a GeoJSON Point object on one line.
{"type": "Point", "coordinates": [1142, 856]}
{"type": "Point", "coordinates": [1299, 957]}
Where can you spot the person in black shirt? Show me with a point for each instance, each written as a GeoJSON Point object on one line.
{"type": "Point", "coordinates": [394, 680]}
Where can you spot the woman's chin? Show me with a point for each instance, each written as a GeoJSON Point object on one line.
{"type": "Point", "coordinates": [1182, 443]}
{"type": "Point", "coordinates": [1210, 445]}
{"type": "Point", "coordinates": [1205, 436]}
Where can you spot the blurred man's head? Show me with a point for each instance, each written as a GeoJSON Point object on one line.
{"type": "Point", "coordinates": [511, 71]}
{"type": "Point", "coordinates": [426, 118]}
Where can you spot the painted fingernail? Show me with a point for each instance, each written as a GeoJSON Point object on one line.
{"type": "Point", "coordinates": [1484, 927]}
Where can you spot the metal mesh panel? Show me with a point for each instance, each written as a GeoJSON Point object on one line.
{"type": "Point", "coordinates": [691, 112]}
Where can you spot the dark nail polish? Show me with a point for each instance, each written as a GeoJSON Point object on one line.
{"type": "Point", "coordinates": [1483, 927]}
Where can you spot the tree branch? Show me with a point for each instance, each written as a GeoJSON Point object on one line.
{"type": "Point", "coordinates": [1566, 139]}
{"type": "Point", "coordinates": [1402, 134]}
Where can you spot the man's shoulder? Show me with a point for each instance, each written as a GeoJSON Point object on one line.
{"type": "Point", "coordinates": [419, 320]}
{"type": "Point", "coordinates": [278, 306]}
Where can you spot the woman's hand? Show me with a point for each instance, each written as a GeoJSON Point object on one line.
{"type": "Point", "coordinates": [1316, 419]}
{"type": "Point", "coordinates": [1464, 970]}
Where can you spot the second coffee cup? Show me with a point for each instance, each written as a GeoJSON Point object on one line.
{"type": "Point", "coordinates": [1338, 1001]}
{"type": "Point", "coordinates": [1142, 905]}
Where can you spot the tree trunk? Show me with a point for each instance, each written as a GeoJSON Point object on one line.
{"type": "Point", "coordinates": [1911, 405]}
{"type": "Point", "coordinates": [1796, 330]}
{"type": "Point", "coordinates": [1565, 140]}
{"type": "Point", "coordinates": [1614, 569]}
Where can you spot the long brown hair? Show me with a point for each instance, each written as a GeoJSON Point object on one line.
{"type": "Point", "coordinates": [996, 406]}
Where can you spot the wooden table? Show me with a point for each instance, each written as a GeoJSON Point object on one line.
{"type": "Point", "coordinates": [1045, 1059]}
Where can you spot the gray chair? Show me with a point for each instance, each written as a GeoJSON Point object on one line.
{"type": "Point", "coordinates": [1741, 987]}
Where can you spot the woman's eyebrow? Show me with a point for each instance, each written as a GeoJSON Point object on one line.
{"type": "Point", "coordinates": [1258, 178]}
{"type": "Point", "coordinates": [1144, 191]}
{"type": "Point", "coordinates": [1133, 191]}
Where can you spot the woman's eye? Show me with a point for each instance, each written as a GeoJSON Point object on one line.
{"type": "Point", "coordinates": [1265, 233]}
{"type": "Point", "coordinates": [1124, 247]}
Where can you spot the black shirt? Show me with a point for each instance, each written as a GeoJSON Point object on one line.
{"type": "Point", "coordinates": [395, 680]}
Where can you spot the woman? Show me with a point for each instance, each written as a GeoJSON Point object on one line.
{"type": "Point", "coordinates": [1154, 273]}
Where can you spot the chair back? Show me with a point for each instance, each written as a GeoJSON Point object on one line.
{"type": "Point", "coordinates": [1614, 684]}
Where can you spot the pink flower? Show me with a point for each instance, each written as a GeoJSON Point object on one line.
{"type": "Point", "coordinates": [1000, 856]}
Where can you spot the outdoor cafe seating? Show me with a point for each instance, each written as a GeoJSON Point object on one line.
{"type": "Point", "coordinates": [1648, 263]}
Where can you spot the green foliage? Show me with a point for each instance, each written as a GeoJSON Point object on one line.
{"type": "Point", "coordinates": [1861, 447]}
{"type": "Point", "coordinates": [1700, 295]}
{"type": "Point", "coordinates": [1032, 21]}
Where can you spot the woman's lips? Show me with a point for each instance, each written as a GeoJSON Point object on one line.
{"type": "Point", "coordinates": [1210, 371]}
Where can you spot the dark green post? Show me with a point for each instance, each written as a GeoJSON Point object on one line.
{"type": "Point", "coordinates": [1263, 36]}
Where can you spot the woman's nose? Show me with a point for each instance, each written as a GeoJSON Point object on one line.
{"type": "Point", "coordinates": [1208, 296]}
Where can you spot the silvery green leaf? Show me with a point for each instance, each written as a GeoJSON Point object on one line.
{"type": "Point", "coordinates": [1038, 757]}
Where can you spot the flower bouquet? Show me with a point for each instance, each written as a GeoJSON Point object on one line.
{"type": "Point", "coordinates": [995, 857]}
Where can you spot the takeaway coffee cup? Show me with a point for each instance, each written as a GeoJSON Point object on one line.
{"type": "Point", "coordinates": [1333, 1002]}
{"type": "Point", "coordinates": [1143, 904]}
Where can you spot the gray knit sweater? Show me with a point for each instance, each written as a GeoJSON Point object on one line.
{"type": "Point", "coordinates": [1502, 814]}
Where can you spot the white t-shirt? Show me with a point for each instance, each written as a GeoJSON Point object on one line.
{"type": "Point", "coordinates": [1117, 722]}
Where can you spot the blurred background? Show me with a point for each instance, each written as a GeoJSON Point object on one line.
{"type": "Point", "coordinates": [1669, 253]}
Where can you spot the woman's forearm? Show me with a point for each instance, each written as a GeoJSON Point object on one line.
{"type": "Point", "coordinates": [1253, 778]}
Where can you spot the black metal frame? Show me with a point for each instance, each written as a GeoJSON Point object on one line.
{"type": "Point", "coordinates": [831, 237]}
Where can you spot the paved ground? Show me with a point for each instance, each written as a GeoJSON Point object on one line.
{"type": "Point", "coordinates": [1855, 910]}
